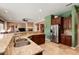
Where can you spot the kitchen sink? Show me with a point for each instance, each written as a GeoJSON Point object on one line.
{"type": "Point", "coordinates": [21, 42]}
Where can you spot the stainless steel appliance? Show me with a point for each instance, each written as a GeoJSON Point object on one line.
{"type": "Point", "coordinates": [55, 33]}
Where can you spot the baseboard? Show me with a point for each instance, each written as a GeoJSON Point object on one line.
{"type": "Point", "coordinates": [73, 47]}
{"type": "Point", "coordinates": [47, 40]}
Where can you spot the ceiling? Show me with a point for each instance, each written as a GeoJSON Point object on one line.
{"type": "Point", "coordinates": [31, 11]}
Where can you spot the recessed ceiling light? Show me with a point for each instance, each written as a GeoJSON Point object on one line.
{"type": "Point", "coordinates": [40, 10]}
{"type": "Point", "coordinates": [39, 18]}
{"type": "Point", "coordinates": [6, 11]}
{"type": "Point", "coordinates": [55, 16]}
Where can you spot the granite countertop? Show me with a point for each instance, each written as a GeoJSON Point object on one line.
{"type": "Point", "coordinates": [4, 41]}
{"type": "Point", "coordinates": [31, 49]}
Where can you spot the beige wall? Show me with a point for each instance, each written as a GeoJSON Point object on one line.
{"type": "Point", "coordinates": [4, 23]}
{"type": "Point", "coordinates": [15, 25]}
{"type": "Point", "coordinates": [21, 25]}
{"type": "Point", "coordinates": [28, 25]}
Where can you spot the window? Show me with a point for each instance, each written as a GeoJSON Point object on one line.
{"type": "Point", "coordinates": [1, 27]}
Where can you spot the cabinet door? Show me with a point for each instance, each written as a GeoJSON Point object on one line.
{"type": "Point", "coordinates": [68, 40]}
{"type": "Point", "coordinates": [63, 40]}
{"type": "Point", "coordinates": [56, 20]}
{"type": "Point", "coordinates": [67, 23]}
{"type": "Point", "coordinates": [38, 39]}
{"type": "Point", "coordinates": [53, 21]}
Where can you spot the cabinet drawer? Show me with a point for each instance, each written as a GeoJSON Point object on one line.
{"type": "Point", "coordinates": [63, 41]}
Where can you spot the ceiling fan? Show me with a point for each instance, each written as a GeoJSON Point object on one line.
{"type": "Point", "coordinates": [27, 20]}
{"type": "Point", "coordinates": [24, 19]}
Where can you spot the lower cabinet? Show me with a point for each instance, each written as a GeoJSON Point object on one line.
{"type": "Point", "coordinates": [38, 39]}
{"type": "Point", "coordinates": [66, 40]}
{"type": "Point", "coordinates": [63, 41]}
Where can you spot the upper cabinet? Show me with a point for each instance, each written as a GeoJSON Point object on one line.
{"type": "Point", "coordinates": [56, 20]}
{"type": "Point", "coordinates": [67, 23]}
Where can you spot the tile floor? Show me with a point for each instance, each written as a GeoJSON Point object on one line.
{"type": "Point", "coordinates": [51, 48]}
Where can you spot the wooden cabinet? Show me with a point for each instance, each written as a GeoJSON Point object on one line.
{"type": "Point", "coordinates": [58, 20]}
{"type": "Point", "coordinates": [62, 40]}
{"type": "Point", "coordinates": [67, 23]}
{"type": "Point", "coordinates": [38, 39]}
{"type": "Point", "coordinates": [66, 40]}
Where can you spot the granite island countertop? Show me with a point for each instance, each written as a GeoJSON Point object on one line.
{"type": "Point", "coordinates": [31, 49]}
{"type": "Point", "coordinates": [4, 41]}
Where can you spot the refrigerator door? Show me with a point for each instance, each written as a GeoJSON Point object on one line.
{"type": "Point", "coordinates": [55, 33]}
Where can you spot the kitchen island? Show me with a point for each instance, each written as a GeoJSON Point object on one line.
{"type": "Point", "coordinates": [31, 49]}
{"type": "Point", "coordinates": [6, 43]}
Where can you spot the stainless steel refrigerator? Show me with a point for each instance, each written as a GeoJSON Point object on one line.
{"type": "Point", "coordinates": [55, 33]}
